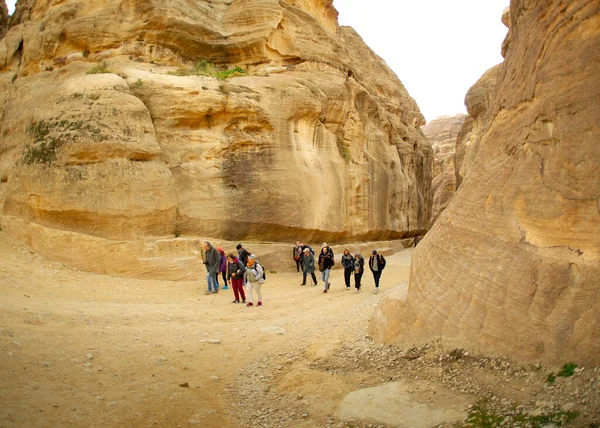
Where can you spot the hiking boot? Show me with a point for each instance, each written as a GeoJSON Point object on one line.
{"type": "Point", "coordinates": [325, 291]}
{"type": "Point", "coordinates": [249, 304]}
{"type": "Point", "coordinates": [259, 304]}
{"type": "Point", "coordinates": [357, 290]}
{"type": "Point", "coordinates": [347, 288]}
{"type": "Point", "coordinates": [243, 301]}
{"type": "Point", "coordinates": [208, 292]}
{"type": "Point", "coordinates": [215, 291]}
{"type": "Point", "coordinates": [236, 301]}
{"type": "Point", "coordinates": [302, 284]}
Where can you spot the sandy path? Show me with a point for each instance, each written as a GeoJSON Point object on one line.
{"type": "Point", "coordinates": [82, 349]}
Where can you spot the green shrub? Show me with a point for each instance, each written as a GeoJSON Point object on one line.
{"type": "Point", "coordinates": [568, 370]}
{"type": "Point", "coordinates": [206, 68]}
{"type": "Point", "coordinates": [100, 69]}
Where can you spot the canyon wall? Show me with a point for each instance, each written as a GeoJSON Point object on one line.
{"type": "Point", "coordinates": [512, 266]}
{"type": "Point", "coordinates": [441, 133]}
{"type": "Point", "coordinates": [116, 130]}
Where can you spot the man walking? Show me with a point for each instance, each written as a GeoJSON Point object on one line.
{"type": "Point", "coordinates": [211, 260]}
{"type": "Point", "coordinates": [308, 266]}
{"type": "Point", "coordinates": [377, 264]}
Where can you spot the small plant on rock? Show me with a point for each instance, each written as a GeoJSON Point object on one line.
{"type": "Point", "coordinates": [100, 69]}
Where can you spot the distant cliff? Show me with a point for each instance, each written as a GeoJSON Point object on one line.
{"type": "Point", "coordinates": [441, 133]}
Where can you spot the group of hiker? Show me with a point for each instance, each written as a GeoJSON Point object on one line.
{"type": "Point", "coordinates": [353, 264]}
{"type": "Point", "coordinates": [243, 269]}
{"type": "Point", "coordinates": [238, 269]}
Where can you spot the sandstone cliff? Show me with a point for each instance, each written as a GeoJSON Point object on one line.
{"type": "Point", "coordinates": [512, 266]}
{"type": "Point", "coordinates": [115, 132]}
{"type": "Point", "coordinates": [3, 18]}
{"type": "Point", "coordinates": [441, 134]}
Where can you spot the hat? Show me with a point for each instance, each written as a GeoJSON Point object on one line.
{"type": "Point", "coordinates": [324, 245]}
{"type": "Point", "coordinates": [238, 246]}
{"type": "Point", "coordinates": [219, 248]}
{"type": "Point", "coordinates": [306, 250]}
{"type": "Point", "coordinates": [374, 252]}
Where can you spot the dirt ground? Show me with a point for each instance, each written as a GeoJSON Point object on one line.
{"type": "Point", "coordinates": [79, 349]}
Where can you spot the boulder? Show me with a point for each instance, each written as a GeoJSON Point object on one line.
{"type": "Point", "coordinates": [511, 267]}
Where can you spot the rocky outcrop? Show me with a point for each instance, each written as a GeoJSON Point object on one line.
{"type": "Point", "coordinates": [441, 133]}
{"type": "Point", "coordinates": [115, 125]}
{"type": "Point", "coordinates": [511, 267]}
{"type": "Point", "coordinates": [477, 101]}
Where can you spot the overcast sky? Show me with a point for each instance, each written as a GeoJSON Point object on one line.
{"type": "Point", "coordinates": [438, 48]}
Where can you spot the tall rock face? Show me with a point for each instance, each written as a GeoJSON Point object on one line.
{"type": "Point", "coordinates": [441, 133]}
{"type": "Point", "coordinates": [114, 126]}
{"type": "Point", "coordinates": [3, 18]}
{"type": "Point", "coordinates": [512, 266]}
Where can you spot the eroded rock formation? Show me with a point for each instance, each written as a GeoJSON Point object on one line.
{"type": "Point", "coordinates": [441, 133]}
{"type": "Point", "coordinates": [107, 132]}
{"type": "Point", "coordinates": [512, 266]}
{"type": "Point", "coordinates": [3, 18]}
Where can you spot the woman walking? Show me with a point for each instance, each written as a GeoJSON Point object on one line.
{"type": "Point", "coordinates": [325, 264]}
{"type": "Point", "coordinates": [235, 274]}
{"type": "Point", "coordinates": [222, 267]}
{"type": "Point", "coordinates": [254, 277]}
{"type": "Point", "coordinates": [359, 269]}
{"type": "Point", "coordinates": [348, 264]}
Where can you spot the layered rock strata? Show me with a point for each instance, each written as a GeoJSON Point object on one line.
{"type": "Point", "coordinates": [441, 133]}
{"type": "Point", "coordinates": [512, 266]}
{"type": "Point", "coordinates": [111, 130]}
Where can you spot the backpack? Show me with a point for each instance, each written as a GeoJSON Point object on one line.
{"type": "Point", "coordinates": [264, 271]}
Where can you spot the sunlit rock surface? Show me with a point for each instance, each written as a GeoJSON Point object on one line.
{"type": "Point", "coordinates": [318, 141]}
{"type": "Point", "coordinates": [512, 266]}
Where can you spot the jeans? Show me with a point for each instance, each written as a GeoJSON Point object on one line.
{"type": "Point", "coordinates": [212, 282]}
{"type": "Point", "coordinates": [325, 277]}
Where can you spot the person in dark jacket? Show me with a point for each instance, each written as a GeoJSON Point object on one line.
{"type": "Point", "coordinates": [211, 261]}
{"type": "Point", "coordinates": [359, 269]}
{"type": "Point", "coordinates": [348, 264]}
{"type": "Point", "coordinates": [297, 254]}
{"type": "Point", "coordinates": [242, 254]}
{"type": "Point", "coordinates": [325, 264]}
{"type": "Point", "coordinates": [235, 275]}
{"type": "Point", "coordinates": [308, 266]}
{"type": "Point", "coordinates": [376, 264]}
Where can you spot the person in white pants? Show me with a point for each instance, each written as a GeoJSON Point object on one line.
{"type": "Point", "coordinates": [254, 277]}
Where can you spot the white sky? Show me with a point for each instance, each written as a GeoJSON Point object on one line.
{"type": "Point", "coordinates": [438, 48]}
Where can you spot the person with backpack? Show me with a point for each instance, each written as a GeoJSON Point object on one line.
{"type": "Point", "coordinates": [359, 269]}
{"type": "Point", "coordinates": [254, 277]}
{"type": "Point", "coordinates": [308, 266]}
{"type": "Point", "coordinates": [242, 254]}
{"type": "Point", "coordinates": [376, 264]}
{"type": "Point", "coordinates": [235, 275]}
{"type": "Point", "coordinates": [297, 254]}
{"type": "Point", "coordinates": [326, 262]}
{"type": "Point", "coordinates": [348, 264]}
{"type": "Point", "coordinates": [222, 268]}
{"type": "Point", "coordinates": [211, 261]}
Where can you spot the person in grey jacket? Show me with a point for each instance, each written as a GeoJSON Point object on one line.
{"type": "Point", "coordinates": [212, 260]}
{"type": "Point", "coordinates": [308, 266]}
